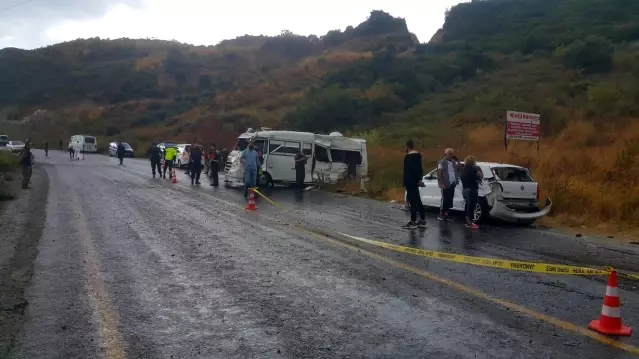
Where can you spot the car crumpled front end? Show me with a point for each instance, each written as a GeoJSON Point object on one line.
{"type": "Point", "coordinates": [513, 211]}
{"type": "Point", "coordinates": [233, 172]}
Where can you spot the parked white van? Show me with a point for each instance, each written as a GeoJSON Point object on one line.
{"type": "Point", "coordinates": [84, 143]}
{"type": "Point", "coordinates": [328, 156]}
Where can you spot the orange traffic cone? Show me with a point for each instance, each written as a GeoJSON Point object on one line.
{"type": "Point", "coordinates": [251, 201]}
{"type": "Point", "coordinates": [173, 176]}
{"type": "Point", "coordinates": [609, 322]}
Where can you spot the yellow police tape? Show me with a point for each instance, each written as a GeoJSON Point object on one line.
{"type": "Point", "coordinates": [532, 267]}
{"type": "Point", "coordinates": [268, 199]}
{"type": "Point", "coordinates": [495, 263]}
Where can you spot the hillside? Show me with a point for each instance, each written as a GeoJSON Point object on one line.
{"type": "Point", "coordinates": [143, 89]}
{"type": "Point", "coordinates": [574, 62]}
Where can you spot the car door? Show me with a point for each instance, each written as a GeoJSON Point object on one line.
{"type": "Point", "coordinates": [431, 193]}
{"type": "Point", "coordinates": [321, 164]}
{"type": "Point", "coordinates": [307, 150]}
{"type": "Point", "coordinates": [281, 160]}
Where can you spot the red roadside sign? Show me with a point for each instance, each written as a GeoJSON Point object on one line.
{"type": "Point", "coordinates": [522, 126]}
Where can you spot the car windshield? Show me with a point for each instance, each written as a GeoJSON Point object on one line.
{"type": "Point", "coordinates": [89, 140]}
{"type": "Point", "coordinates": [512, 174]}
{"type": "Point", "coordinates": [126, 145]}
{"type": "Point", "coordinates": [17, 143]}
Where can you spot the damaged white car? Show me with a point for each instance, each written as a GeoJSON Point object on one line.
{"type": "Point", "coordinates": [507, 192]}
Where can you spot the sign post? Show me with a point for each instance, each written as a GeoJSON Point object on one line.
{"type": "Point", "coordinates": [522, 126]}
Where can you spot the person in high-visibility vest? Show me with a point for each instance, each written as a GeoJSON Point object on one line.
{"type": "Point", "coordinates": [169, 156]}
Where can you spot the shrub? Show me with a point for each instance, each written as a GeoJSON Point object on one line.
{"type": "Point", "coordinates": [8, 161]}
{"type": "Point", "coordinates": [592, 55]}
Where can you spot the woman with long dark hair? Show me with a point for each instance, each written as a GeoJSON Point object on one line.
{"type": "Point", "coordinates": [470, 178]}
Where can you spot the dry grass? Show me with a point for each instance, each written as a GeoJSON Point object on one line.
{"type": "Point", "coordinates": [590, 171]}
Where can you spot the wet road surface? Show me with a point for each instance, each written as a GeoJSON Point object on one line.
{"type": "Point", "coordinates": [134, 267]}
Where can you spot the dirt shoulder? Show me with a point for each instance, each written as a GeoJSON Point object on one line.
{"type": "Point", "coordinates": [21, 225]}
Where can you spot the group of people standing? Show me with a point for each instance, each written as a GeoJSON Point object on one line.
{"type": "Point", "coordinates": [252, 159]}
{"type": "Point", "coordinates": [450, 172]}
{"type": "Point", "coordinates": [198, 159]}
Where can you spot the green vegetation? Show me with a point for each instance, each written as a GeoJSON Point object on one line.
{"type": "Point", "coordinates": [8, 165]}
{"type": "Point", "coordinates": [572, 61]}
{"type": "Point", "coordinates": [8, 161]}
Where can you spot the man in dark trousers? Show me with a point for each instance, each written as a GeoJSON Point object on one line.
{"type": "Point", "coordinates": [46, 148]}
{"type": "Point", "coordinates": [195, 161]}
{"type": "Point", "coordinates": [26, 160]}
{"type": "Point", "coordinates": [120, 151]}
{"type": "Point", "coordinates": [155, 155]}
{"type": "Point", "coordinates": [413, 174]}
{"type": "Point", "coordinates": [71, 152]}
{"type": "Point", "coordinates": [447, 178]}
{"type": "Point", "coordinates": [214, 165]}
{"type": "Point", "coordinates": [169, 157]}
{"type": "Point", "coordinates": [300, 169]}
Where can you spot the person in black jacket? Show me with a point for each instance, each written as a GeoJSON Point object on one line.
{"type": "Point", "coordinates": [195, 161]}
{"type": "Point", "coordinates": [155, 155]}
{"type": "Point", "coordinates": [214, 165]}
{"type": "Point", "coordinates": [471, 177]}
{"type": "Point", "coordinates": [26, 160]}
{"type": "Point", "coordinates": [120, 151]}
{"type": "Point", "coordinates": [413, 174]}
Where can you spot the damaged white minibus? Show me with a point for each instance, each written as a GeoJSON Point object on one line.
{"type": "Point", "coordinates": [329, 156]}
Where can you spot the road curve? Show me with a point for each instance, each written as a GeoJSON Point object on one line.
{"type": "Point", "coordinates": [134, 267]}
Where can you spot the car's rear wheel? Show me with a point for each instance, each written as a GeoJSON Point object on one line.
{"type": "Point", "coordinates": [482, 210]}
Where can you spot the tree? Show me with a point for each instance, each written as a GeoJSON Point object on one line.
{"type": "Point", "coordinates": [204, 81]}
{"type": "Point", "coordinates": [330, 109]}
{"type": "Point", "coordinates": [592, 55]}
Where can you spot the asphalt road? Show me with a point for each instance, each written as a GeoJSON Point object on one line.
{"type": "Point", "coordinates": [129, 266]}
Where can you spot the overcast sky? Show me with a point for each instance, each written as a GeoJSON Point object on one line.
{"type": "Point", "coordinates": [29, 24]}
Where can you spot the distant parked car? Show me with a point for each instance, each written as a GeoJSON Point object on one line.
{"type": "Point", "coordinates": [182, 159]}
{"type": "Point", "coordinates": [15, 146]}
{"type": "Point", "coordinates": [113, 149]}
{"type": "Point", "coordinates": [507, 192]}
